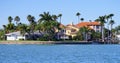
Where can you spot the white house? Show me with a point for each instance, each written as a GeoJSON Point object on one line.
{"type": "Point", "coordinates": [15, 36]}
{"type": "Point", "coordinates": [18, 36]}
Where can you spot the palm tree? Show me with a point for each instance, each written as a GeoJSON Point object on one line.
{"type": "Point", "coordinates": [84, 31]}
{"type": "Point", "coordinates": [54, 17]}
{"type": "Point", "coordinates": [82, 19]}
{"type": "Point", "coordinates": [60, 15]}
{"type": "Point", "coordinates": [5, 28]}
{"type": "Point", "coordinates": [10, 27]}
{"type": "Point", "coordinates": [101, 19]}
{"type": "Point", "coordinates": [45, 17]}
{"type": "Point", "coordinates": [111, 15]}
{"type": "Point", "coordinates": [32, 25]}
{"type": "Point", "coordinates": [17, 19]}
{"type": "Point", "coordinates": [10, 19]}
{"type": "Point", "coordinates": [107, 18]}
{"type": "Point", "coordinates": [29, 17]}
{"type": "Point", "coordinates": [22, 27]}
{"type": "Point", "coordinates": [111, 24]}
{"type": "Point", "coordinates": [78, 14]}
{"type": "Point", "coordinates": [47, 24]}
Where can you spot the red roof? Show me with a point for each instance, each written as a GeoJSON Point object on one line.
{"type": "Point", "coordinates": [86, 24]}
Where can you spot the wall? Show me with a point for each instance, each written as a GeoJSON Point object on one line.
{"type": "Point", "coordinates": [14, 37]}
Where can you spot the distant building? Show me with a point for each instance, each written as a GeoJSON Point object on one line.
{"type": "Point", "coordinates": [68, 31]}
{"type": "Point", "coordinates": [71, 30]}
{"type": "Point", "coordinates": [15, 36]}
{"type": "Point", "coordinates": [92, 25]}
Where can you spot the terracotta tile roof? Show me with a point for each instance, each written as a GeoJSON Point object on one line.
{"type": "Point", "coordinates": [86, 24]}
{"type": "Point", "coordinates": [61, 26]}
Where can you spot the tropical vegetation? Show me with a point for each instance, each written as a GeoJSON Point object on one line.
{"type": "Point", "coordinates": [49, 23]}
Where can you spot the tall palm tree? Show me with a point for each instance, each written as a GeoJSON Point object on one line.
{"type": "Point", "coordinates": [101, 19]}
{"type": "Point", "coordinates": [10, 19]}
{"type": "Point", "coordinates": [111, 15]}
{"type": "Point", "coordinates": [78, 14]}
{"type": "Point", "coordinates": [47, 24]}
{"type": "Point", "coordinates": [84, 31]}
{"type": "Point", "coordinates": [111, 24]}
{"type": "Point", "coordinates": [17, 19]}
{"type": "Point", "coordinates": [60, 15]}
{"type": "Point", "coordinates": [10, 27]}
{"type": "Point", "coordinates": [32, 25]}
{"type": "Point", "coordinates": [29, 18]}
{"type": "Point", "coordinates": [45, 17]}
{"type": "Point", "coordinates": [5, 28]}
{"type": "Point", "coordinates": [107, 17]}
{"type": "Point", "coordinates": [22, 27]}
{"type": "Point", "coordinates": [54, 17]}
{"type": "Point", "coordinates": [82, 19]}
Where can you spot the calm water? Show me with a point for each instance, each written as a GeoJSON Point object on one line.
{"type": "Point", "coordinates": [59, 53]}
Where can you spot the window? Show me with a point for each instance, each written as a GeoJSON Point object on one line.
{"type": "Point", "coordinates": [9, 35]}
{"type": "Point", "coordinates": [97, 27]}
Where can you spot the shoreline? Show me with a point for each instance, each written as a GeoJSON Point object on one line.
{"type": "Point", "coordinates": [54, 42]}
{"type": "Point", "coordinates": [45, 42]}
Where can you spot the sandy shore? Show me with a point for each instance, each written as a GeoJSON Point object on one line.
{"type": "Point", "coordinates": [45, 42]}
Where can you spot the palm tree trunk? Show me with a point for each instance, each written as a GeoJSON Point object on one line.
{"type": "Point", "coordinates": [78, 19]}
{"type": "Point", "coordinates": [60, 20]}
{"type": "Point", "coordinates": [102, 33]}
{"type": "Point", "coordinates": [86, 37]}
{"type": "Point", "coordinates": [111, 33]}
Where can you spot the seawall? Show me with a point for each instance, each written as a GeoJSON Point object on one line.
{"type": "Point", "coordinates": [45, 42]}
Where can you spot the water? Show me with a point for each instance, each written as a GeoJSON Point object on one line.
{"type": "Point", "coordinates": [59, 53]}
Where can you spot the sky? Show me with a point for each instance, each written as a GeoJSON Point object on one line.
{"type": "Point", "coordinates": [89, 9]}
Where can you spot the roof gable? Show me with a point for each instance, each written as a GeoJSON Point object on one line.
{"type": "Point", "coordinates": [82, 24]}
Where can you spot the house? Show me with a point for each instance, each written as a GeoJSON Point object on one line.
{"type": "Point", "coordinates": [69, 31]}
{"type": "Point", "coordinates": [92, 25]}
{"type": "Point", "coordinates": [15, 36]}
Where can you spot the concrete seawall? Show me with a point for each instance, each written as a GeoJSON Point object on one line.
{"type": "Point", "coordinates": [45, 42]}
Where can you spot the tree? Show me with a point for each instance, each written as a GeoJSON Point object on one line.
{"type": "Point", "coordinates": [60, 15]}
{"type": "Point", "coordinates": [17, 19]}
{"type": "Point", "coordinates": [31, 18]}
{"type": "Point", "coordinates": [54, 17]}
{"type": "Point", "coordinates": [78, 14]}
{"type": "Point", "coordinates": [5, 28]}
{"type": "Point", "coordinates": [10, 19]}
{"type": "Point", "coordinates": [101, 19]}
{"type": "Point", "coordinates": [48, 25]}
{"type": "Point", "coordinates": [111, 24]}
{"type": "Point", "coordinates": [84, 31]}
{"type": "Point", "coordinates": [110, 16]}
{"type": "Point", "coordinates": [45, 17]}
{"type": "Point", "coordinates": [22, 28]}
{"type": "Point", "coordinates": [2, 34]}
{"type": "Point", "coordinates": [107, 17]}
{"type": "Point", "coordinates": [82, 19]}
{"type": "Point", "coordinates": [32, 25]}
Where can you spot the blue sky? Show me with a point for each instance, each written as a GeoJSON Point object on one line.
{"type": "Point", "coordinates": [89, 9]}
